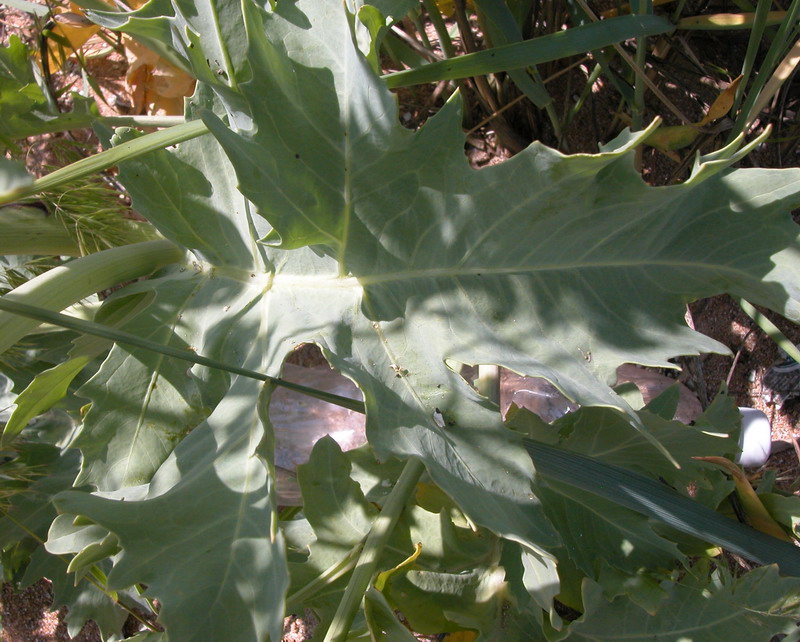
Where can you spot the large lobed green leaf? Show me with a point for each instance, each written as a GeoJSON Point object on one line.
{"type": "Point", "coordinates": [752, 607]}
{"type": "Point", "coordinates": [551, 265]}
{"type": "Point", "coordinates": [207, 520]}
{"type": "Point", "coordinates": [555, 266]}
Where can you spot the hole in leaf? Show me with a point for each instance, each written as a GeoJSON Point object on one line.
{"type": "Point", "coordinates": [533, 393]}
{"type": "Point", "coordinates": [299, 420]}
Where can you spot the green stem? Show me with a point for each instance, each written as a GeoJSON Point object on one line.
{"type": "Point", "coordinates": [637, 109]}
{"type": "Point", "coordinates": [440, 27]}
{"type": "Point", "coordinates": [110, 157]}
{"type": "Point", "coordinates": [299, 598]}
{"type": "Point", "coordinates": [771, 330]}
{"type": "Point", "coordinates": [70, 121]}
{"type": "Point", "coordinates": [420, 27]}
{"type": "Point", "coordinates": [67, 284]}
{"type": "Point", "coordinates": [373, 548]}
{"type": "Point", "coordinates": [42, 315]}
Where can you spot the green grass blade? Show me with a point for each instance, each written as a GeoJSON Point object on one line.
{"type": "Point", "coordinates": [502, 29]}
{"type": "Point", "coordinates": [771, 330]}
{"type": "Point", "coordinates": [785, 35]}
{"type": "Point", "coordinates": [533, 52]}
{"type": "Point", "coordinates": [641, 7]}
{"type": "Point", "coordinates": [440, 27]}
{"type": "Point", "coordinates": [126, 338]}
{"type": "Point", "coordinates": [660, 502]}
{"type": "Point", "coordinates": [756, 34]}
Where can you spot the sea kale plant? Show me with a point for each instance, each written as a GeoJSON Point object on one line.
{"type": "Point", "coordinates": [293, 208]}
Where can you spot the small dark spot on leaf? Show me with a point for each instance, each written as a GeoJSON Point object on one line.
{"type": "Point", "coordinates": [297, 156]}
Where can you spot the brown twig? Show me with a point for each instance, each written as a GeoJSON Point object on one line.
{"type": "Point", "coordinates": [736, 359]}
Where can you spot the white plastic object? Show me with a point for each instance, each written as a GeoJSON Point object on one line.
{"type": "Point", "coordinates": [755, 439]}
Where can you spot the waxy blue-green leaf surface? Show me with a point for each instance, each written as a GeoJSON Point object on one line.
{"type": "Point", "coordinates": [341, 516]}
{"type": "Point", "coordinates": [209, 518]}
{"type": "Point", "coordinates": [558, 266]}
{"type": "Point", "coordinates": [551, 265]}
{"type": "Point", "coordinates": [752, 607]}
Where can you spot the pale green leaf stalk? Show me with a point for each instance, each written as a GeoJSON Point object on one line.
{"type": "Point", "coordinates": [373, 548]}
{"type": "Point", "coordinates": [72, 121]}
{"type": "Point", "coordinates": [489, 382]}
{"type": "Point", "coordinates": [30, 230]}
{"type": "Point", "coordinates": [69, 283]}
{"type": "Point", "coordinates": [109, 158]}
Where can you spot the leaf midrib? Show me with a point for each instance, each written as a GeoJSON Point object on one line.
{"type": "Point", "coordinates": [359, 282]}
{"type": "Point", "coordinates": [428, 273]}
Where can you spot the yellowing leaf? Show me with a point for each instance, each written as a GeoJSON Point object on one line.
{"type": "Point", "coordinates": [719, 21]}
{"type": "Point", "coordinates": [380, 581]}
{"type": "Point", "coordinates": [70, 33]}
{"type": "Point", "coordinates": [626, 8]}
{"type": "Point", "coordinates": [156, 85]}
{"type": "Point", "coordinates": [448, 7]}
{"type": "Point", "coordinates": [757, 515]}
{"type": "Point", "coordinates": [461, 636]}
{"type": "Point", "coordinates": [671, 138]}
{"type": "Point", "coordinates": [722, 105]}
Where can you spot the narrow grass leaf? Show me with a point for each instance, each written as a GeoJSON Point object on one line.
{"type": "Point", "coordinates": [528, 53]}
{"type": "Point", "coordinates": [658, 501]}
{"type": "Point", "coordinates": [723, 21]}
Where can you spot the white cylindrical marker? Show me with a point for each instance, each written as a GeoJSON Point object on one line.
{"type": "Point", "coordinates": [755, 440]}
